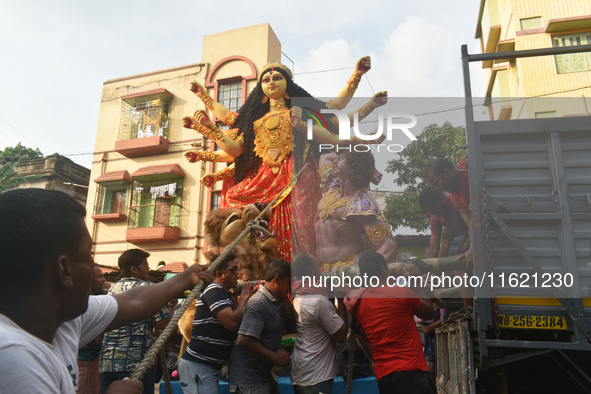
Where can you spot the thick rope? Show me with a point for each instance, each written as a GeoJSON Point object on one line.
{"type": "Point", "coordinates": [167, 332]}
{"type": "Point", "coordinates": [351, 364]}
{"type": "Point", "coordinates": [159, 343]}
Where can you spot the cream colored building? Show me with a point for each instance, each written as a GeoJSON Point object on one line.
{"type": "Point", "coordinates": [143, 193]}
{"type": "Point", "coordinates": [515, 25]}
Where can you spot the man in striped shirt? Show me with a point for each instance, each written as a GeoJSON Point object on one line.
{"type": "Point", "coordinates": [214, 330]}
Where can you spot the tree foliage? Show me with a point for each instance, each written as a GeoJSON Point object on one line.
{"type": "Point", "coordinates": [10, 157]}
{"type": "Point", "coordinates": [435, 142]}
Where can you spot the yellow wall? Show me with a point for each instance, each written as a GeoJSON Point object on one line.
{"type": "Point", "coordinates": [256, 43]}
{"type": "Point", "coordinates": [536, 76]}
{"type": "Point", "coordinates": [240, 42]}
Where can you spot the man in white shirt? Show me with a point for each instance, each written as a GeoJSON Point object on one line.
{"type": "Point", "coordinates": [319, 328]}
{"type": "Point", "coordinates": [46, 313]}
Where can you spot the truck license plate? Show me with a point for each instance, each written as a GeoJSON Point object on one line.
{"type": "Point", "coordinates": [535, 322]}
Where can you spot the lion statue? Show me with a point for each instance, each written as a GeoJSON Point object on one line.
{"type": "Point", "coordinates": [254, 252]}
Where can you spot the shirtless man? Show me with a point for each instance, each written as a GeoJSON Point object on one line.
{"type": "Point", "coordinates": [442, 175]}
{"type": "Point", "coordinates": [349, 220]}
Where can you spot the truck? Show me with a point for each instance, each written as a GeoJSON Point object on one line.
{"type": "Point", "coordinates": [530, 190]}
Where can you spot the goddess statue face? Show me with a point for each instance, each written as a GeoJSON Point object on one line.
{"type": "Point", "coordinates": [274, 85]}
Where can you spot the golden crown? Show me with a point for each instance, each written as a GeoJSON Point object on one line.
{"type": "Point", "coordinates": [275, 64]}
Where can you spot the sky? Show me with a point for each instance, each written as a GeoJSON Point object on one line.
{"type": "Point", "coordinates": [56, 55]}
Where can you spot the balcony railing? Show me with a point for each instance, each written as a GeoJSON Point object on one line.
{"type": "Point", "coordinates": [153, 223]}
{"type": "Point", "coordinates": [154, 215]}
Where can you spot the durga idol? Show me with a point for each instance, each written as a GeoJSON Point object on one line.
{"type": "Point", "coordinates": [266, 154]}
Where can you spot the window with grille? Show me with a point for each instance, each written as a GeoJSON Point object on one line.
{"type": "Point", "coordinates": [572, 62]}
{"type": "Point", "coordinates": [230, 95]}
{"type": "Point", "coordinates": [145, 116]}
{"type": "Point", "coordinates": [216, 198]}
{"type": "Point", "coordinates": [111, 197]}
{"type": "Point", "coordinates": [156, 201]}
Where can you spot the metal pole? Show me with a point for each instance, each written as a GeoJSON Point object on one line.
{"type": "Point", "coordinates": [526, 53]}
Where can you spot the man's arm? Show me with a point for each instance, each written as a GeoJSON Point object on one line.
{"type": "Point", "coordinates": [389, 249]}
{"type": "Point", "coordinates": [425, 310]}
{"type": "Point", "coordinates": [433, 245]}
{"type": "Point", "coordinates": [444, 250]}
{"type": "Point", "coordinates": [429, 328]}
{"type": "Point", "coordinates": [380, 235]}
{"type": "Point", "coordinates": [435, 240]}
{"type": "Point", "coordinates": [127, 386]}
{"type": "Point", "coordinates": [229, 317]}
{"type": "Point", "coordinates": [342, 333]}
{"type": "Point", "coordinates": [254, 347]}
{"type": "Point", "coordinates": [143, 302]}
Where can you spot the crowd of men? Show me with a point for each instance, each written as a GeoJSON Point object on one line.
{"type": "Point", "coordinates": [46, 313]}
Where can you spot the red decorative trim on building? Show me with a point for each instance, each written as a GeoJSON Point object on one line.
{"type": "Point", "coordinates": [160, 169]}
{"type": "Point", "coordinates": [530, 31]}
{"type": "Point", "coordinates": [124, 241]}
{"type": "Point", "coordinates": [175, 267]}
{"type": "Point", "coordinates": [122, 175]}
{"type": "Point", "coordinates": [213, 84]}
{"type": "Point", "coordinates": [142, 146]}
{"type": "Point", "coordinates": [152, 234]}
{"type": "Point", "coordinates": [147, 93]}
{"type": "Point", "coordinates": [210, 83]}
{"type": "Point", "coordinates": [118, 252]}
{"type": "Point", "coordinates": [180, 143]}
{"type": "Point", "coordinates": [109, 217]}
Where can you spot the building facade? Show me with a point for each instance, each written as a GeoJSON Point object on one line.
{"type": "Point", "coordinates": [143, 193]}
{"type": "Point", "coordinates": [55, 172]}
{"type": "Point", "coordinates": [556, 85]}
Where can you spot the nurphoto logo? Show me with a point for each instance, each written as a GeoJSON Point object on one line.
{"type": "Point", "coordinates": [390, 124]}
